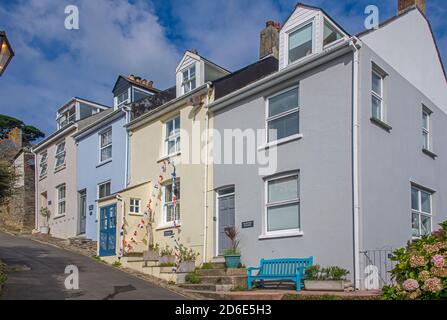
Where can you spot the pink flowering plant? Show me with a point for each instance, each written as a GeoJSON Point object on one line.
{"type": "Point", "coordinates": [421, 269]}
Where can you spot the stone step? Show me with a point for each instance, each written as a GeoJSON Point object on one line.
{"type": "Point", "coordinates": [207, 287]}
{"type": "Point", "coordinates": [222, 272]}
{"type": "Point", "coordinates": [234, 280]}
{"type": "Point", "coordinates": [241, 295]}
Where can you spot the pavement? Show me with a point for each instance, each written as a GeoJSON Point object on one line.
{"type": "Point", "coordinates": [37, 272]}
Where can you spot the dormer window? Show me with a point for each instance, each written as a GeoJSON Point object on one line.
{"type": "Point", "coordinates": [330, 34]}
{"type": "Point", "coordinates": [301, 43]}
{"type": "Point", "coordinates": [67, 117]}
{"type": "Point", "coordinates": [189, 79]}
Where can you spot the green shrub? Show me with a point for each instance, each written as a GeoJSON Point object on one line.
{"type": "Point", "coordinates": [207, 266]}
{"type": "Point", "coordinates": [167, 251]}
{"type": "Point", "coordinates": [166, 264]}
{"type": "Point", "coordinates": [421, 269]}
{"type": "Point", "coordinates": [316, 272]}
{"type": "Point", "coordinates": [116, 264]}
{"type": "Point", "coordinates": [193, 278]}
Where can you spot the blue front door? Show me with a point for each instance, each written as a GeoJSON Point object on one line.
{"type": "Point", "coordinates": [107, 231]}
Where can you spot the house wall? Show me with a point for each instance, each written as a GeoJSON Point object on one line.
{"type": "Point", "coordinates": [323, 158]}
{"type": "Point", "coordinates": [90, 172]}
{"type": "Point", "coordinates": [391, 161]}
{"type": "Point", "coordinates": [60, 226]}
{"type": "Point", "coordinates": [147, 155]}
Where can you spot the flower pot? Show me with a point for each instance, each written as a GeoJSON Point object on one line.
{"type": "Point", "coordinates": [232, 261]}
{"type": "Point", "coordinates": [44, 229]}
{"type": "Point", "coordinates": [186, 267]}
{"type": "Point", "coordinates": [151, 255]}
{"type": "Point", "coordinates": [167, 260]}
{"type": "Point", "coordinates": [324, 285]}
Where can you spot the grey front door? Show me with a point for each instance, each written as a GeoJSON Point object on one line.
{"type": "Point", "coordinates": [82, 211]}
{"type": "Point", "coordinates": [225, 217]}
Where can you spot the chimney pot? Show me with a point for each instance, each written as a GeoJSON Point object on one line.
{"type": "Point", "coordinates": [269, 40]}
{"type": "Point", "coordinates": [404, 5]}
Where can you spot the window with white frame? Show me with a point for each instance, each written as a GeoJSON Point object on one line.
{"type": "Point", "coordinates": [421, 212]}
{"type": "Point", "coordinates": [104, 189]}
{"type": "Point", "coordinates": [283, 204]}
{"type": "Point", "coordinates": [134, 206]}
{"type": "Point", "coordinates": [43, 164]}
{"type": "Point", "coordinates": [60, 154]}
{"type": "Point", "coordinates": [426, 128]}
{"type": "Point", "coordinates": [377, 95]}
{"type": "Point", "coordinates": [301, 43]}
{"type": "Point", "coordinates": [171, 203]}
{"type": "Point", "coordinates": [283, 115]}
{"type": "Point", "coordinates": [189, 79]}
{"type": "Point", "coordinates": [105, 145]}
{"type": "Point", "coordinates": [172, 136]}
{"type": "Point", "coordinates": [330, 33]}
{"type": "Point", "coordinates": [122, 98]}
{"type": "Point", "coordinates": [61, 193]}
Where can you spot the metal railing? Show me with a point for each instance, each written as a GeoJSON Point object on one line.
{"type": "Point", "coordinates": [382, 260]}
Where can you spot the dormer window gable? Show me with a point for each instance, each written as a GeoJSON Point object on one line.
{"type": "Point", "coordinates": [194, 71]}
{"type": "Point", "coordinates": [76, 109]}
{"type": "Point", "coordinates": [306, 32]}
{"type": "Point", "coordinates": [131, 89]}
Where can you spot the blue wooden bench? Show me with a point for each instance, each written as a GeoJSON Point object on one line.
{"type": "Point", "coordinates": [291, 269]}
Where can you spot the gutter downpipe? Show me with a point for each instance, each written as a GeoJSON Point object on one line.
{"type": "Point", "coordinates": [205, 207]}
{"type": "Point", "coordinates": [355, 44]}
{"type": "Point", "coordinates": [127, 111]}
{"type": "Point", "coordinates": [36, 192]}
{"type": "Point", "coordinates": [120, 199]}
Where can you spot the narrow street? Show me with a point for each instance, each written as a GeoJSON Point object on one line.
{"type": "Point", "coordinates": [40, 275]}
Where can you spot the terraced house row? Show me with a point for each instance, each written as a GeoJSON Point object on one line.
{"type": "Point", "coordinates": [343, 139]}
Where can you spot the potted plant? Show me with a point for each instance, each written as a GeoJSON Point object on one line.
{"type": "Point", "coordinates": [167, 256]}
{"type": "Point", "coordinates": [325, 279]}
{"type": "Point", "coordinates": [153, 253]}
{"type": "Point", "coordinates": [187, 259]}
{"type": "Point", "coordinates": [232, 254]}
{"type": "Point", "coordinates": [45, 213]}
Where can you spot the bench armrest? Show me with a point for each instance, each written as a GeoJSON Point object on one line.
{"type": "Point", "coordinates": [250, 269]}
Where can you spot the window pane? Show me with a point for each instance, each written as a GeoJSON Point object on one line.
{"type": "Point", "coordinates": [169, 128]}
{"type": "Point", "coordinates": [177, 123]}
{"type": "Point", "coordinates": [414, 199]}
{"type": "Point", "coordinates": [425, 225]}
{"type": "Point", "coordinates": [300, 43]}
{"type": "Point", "coordinates": [283, 217]}
{"type": "Point", "coordinates": [192, 72]}
{"type": "Point", "coordinates": [376, 108]}
{"type": "Point", "coordinates": [425, 142]}
{"type": "Point", "coordinates": [284, 127]}
{"type": "Point", "coordinates": [106, 153]}
{"type": "Point", "coordinates": [60, 147]}
{"type": "Point", "coordinates": [283, 189]}
{"type": "Point", "coordinates": [424, 120]}
{"type": "Point", "coordinates": [426, 205]}
{"type": "Point", "coordinates": [377, 84]}
{"type": "Point", "coordinates": [330, 34]}
{"type": "Point", "coordinates": [106, 138]}
{"type": "Point", "coordinates": [283, 102]}
{"type": "Point", "coordinates": [415, 225]}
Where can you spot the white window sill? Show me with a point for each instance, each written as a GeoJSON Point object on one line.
{"type": "Point", "coordinates": [60, 168]}
{"type": "Point", "coordinates": [135, 214]}
{"type": "Point", "coordinates": [104, 162]}
{"type": "Point", "coordinates": [176, 154]}
{"type": "Point", "coordinates": [286, 234]}
{"type": "Point", "coordinates": [168, 226]}
{"type": "Point", "coordinates": [294, 137]}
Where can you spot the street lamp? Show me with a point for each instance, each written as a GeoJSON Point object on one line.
{"type": "Point", "coordinates": [6, 52]}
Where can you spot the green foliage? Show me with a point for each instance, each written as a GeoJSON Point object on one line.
{"type": "Point", "coordinates": [421, 269]}
{"type": "Point", "coordinates": [166, 264]}
{"type": "Point", "coordinates": [193, 278]}
{"type": "Point", "coordinates": [207, 266]}
{"type": "Point", "coordinates": [8, 178]}
{"type": "Point", "coordinates": [3, 276]}
{"type": "Point", "coordinates": [316, 272]}
{"type": "Point", "coordinates": [232, 252]}
{"type": "Point", "coordinates": [29, 133]}
{"type": "Point", "coordinates": [186, 254]}
{"type": "Point", "coordinates": [154, 247]}
{"type": "Point", "coordinates": [232, 234]}
{"type": "Point", "coordinates": [116, 264]}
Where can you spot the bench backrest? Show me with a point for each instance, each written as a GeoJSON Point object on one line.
{"type": "Point", "coordinates": [285, 266]}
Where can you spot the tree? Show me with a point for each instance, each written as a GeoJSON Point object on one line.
{"type": "Point", "coordinates": [8, 123]}
{"type": "Point", "coordinates": [8, 179]}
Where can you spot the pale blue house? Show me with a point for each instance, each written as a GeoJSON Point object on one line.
{"type": "Point", "coordinates": [102, 151]}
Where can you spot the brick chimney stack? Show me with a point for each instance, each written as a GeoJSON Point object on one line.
{"type": "Point", "coordinates": [16, 136]}
{"type": "Point", "coordinates": [269, 44]}
{"type": "Point", "coordinates": [403, 5]}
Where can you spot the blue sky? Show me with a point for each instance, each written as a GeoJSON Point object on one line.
{"type": "Point", "coordinates": [146, 38]}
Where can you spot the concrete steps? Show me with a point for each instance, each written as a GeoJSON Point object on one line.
{"type": "Point", "coordinates": [206, 287]}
